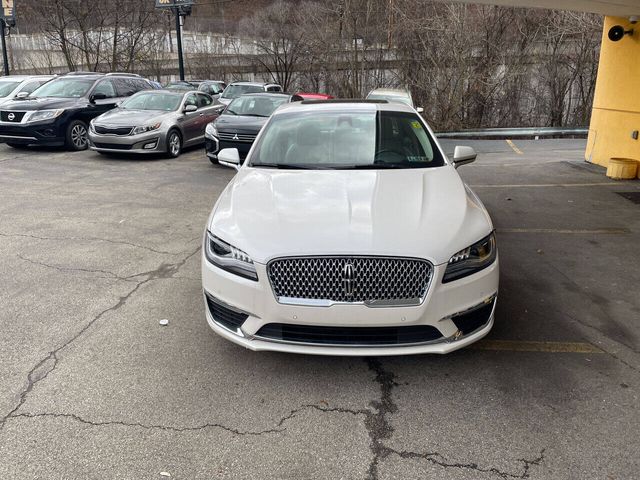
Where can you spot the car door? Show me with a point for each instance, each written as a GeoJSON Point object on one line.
{"type": "Point", "coordinates": [208, 111]}
{"type": "Point", "coordinates": [103, 97]}
{"type": "Point", "coordinates": [191, 120]}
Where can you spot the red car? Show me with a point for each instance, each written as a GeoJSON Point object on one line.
{"type": "Point", "coordinates": [315, 96]}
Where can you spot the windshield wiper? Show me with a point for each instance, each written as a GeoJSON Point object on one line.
{"type": "Point", "coordinates": [255, 115]}
{"type": "Point", "coordinates": [230, 111]}
{"type": "Point", "coordinates": [288, 166]}
{"type": "Point", "coordinates": [371, 166]}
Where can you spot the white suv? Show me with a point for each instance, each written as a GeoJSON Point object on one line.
{"type": "Point", "coordinates": [235, 89]}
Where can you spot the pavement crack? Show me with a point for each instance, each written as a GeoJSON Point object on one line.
{"type": "Point", "coordinates": [277, 428]}
{"type": "Point", "coordinates": [380, 429]}
{"type": "Point", "coordinates": [92, 239]}
{"type": "Point", "coordinates": [45, 366]}
{"type": "Point", "coordinates": [436, 458]}
{"type": "Point", "coordinates": [144, 426]}
{"type": "Point", "coordinates": [377, 423]}
{"type": "Point", "coordinates": [74, 269]}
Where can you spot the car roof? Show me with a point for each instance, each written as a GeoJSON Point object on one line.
{"type": "Point", "coordinates": [24, 77]}
{"type": "Point", "coordinates": [267, 94]}
{"type": "Point", "coordinates": [343, 106]}
{"type": "Point", "coordinates": [260, 84]}
{"type": "Point", "coordinates": [171, 91]}
{"type": "Point", "coordinates": [390, 91]}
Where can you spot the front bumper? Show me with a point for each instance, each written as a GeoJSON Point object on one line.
{"type": "Point", "coordinates": [45, 133]}
{"type": "Point", "coordinates": [150, 142]}
{"type": "Point", "coordinates": [443, 301]}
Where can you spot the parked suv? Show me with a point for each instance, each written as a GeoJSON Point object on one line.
{"type": "Point", "coordinates": [16, 86]}
{"type": "Point", "coordinates": [212, 87]}
{"type": "Point", "coordinates": [236, 89]}
{"type": "Point", "coordinates": [59, 112]}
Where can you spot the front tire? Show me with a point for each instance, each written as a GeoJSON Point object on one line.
{"type": "Point", "coordinates": [77, 134]}
{"type": "Point", "coordinates": [174, 144]}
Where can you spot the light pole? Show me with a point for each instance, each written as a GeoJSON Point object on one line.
{"type": "Point", "coordinates": [7, 20]}
{"type": "Point", "coordinates": [180, 8]}
{"type": "Point", "coordinates": [176, 10]}
{"type": "Point", "coordinates": [5, 58]}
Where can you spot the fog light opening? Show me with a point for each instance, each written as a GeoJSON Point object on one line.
{"type": "Point", "coordinates": [150, 145]}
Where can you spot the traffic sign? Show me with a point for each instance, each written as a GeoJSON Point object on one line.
{"type": "Point", "coordinates": [169, 3]}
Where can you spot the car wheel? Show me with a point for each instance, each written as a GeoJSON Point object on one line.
{"type": "Point", "coordinates": [77, 136]}
{"type": "Point", "coordinates": [19, 146]}
{"type": "Point", "coordinates": [174, 144]}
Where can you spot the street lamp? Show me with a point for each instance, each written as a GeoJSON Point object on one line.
{"type": "Point", "coordinates": [180, 8]}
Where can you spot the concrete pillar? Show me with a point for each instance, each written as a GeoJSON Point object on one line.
{"type": "Point", "coordinates": [616, 105]}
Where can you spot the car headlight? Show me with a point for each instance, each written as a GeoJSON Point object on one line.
{"type": "Point", "coordinates": [229, 258]}
{"type": "Point", "coordinates": [472, 259]}
{"type": "Point", "coordinates": [211, 130]}
{"type": "Point", "coordinates": [146, 128]}
{"type": "Point", "coordinates": [40, 115]}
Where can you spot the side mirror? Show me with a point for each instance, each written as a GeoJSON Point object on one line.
{"type": "Point", "coordinates": [190, 108]}
{"type": "Point", "coordinates": [97, 96]}
{"type": "Point", "coordinates": [463, 155]}
{"type": "Point", "coordinates": [229, 157]}
{"type": "Point", "coordinates": [22, 95]}
{"type": "Point", "coordinates": [419, 109]}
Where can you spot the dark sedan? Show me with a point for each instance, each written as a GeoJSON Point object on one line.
{"type": "Point", "coordinates": [241, 122]}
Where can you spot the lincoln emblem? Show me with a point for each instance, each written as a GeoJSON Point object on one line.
{"type": "Point", "coordinates": [348, 280]}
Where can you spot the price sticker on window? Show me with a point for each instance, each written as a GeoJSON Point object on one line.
{"type": "Point", "coordinates": [415, 124]}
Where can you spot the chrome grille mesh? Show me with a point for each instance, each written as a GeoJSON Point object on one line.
{"type": "Point", "coordinates": [350, 279]}
{"type": "Point", "coordinates": [236, 137]}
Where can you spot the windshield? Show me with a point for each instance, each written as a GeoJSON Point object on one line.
{"type": "Point", "coordinates": [153, 101]}
{"type": "Point", "coordinates": [255, 106]}
{"type": "Point", "coordinates": [65, 88]}
{"type": "Point", "coordinates": [346, 140]}
{"type": "Point", "coordinates": [234, 91]}
{"type": "Point", "coordinates": [7, 87]}
{"type": "Point", "coordinates": [390, 98]}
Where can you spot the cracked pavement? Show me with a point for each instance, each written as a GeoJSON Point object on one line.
{"type": "Point", "coordinates": [96, 250]}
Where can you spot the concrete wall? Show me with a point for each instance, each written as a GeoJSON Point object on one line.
{"type": "Point", "coordinates": [616, 106]}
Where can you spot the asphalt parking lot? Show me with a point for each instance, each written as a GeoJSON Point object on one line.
{"type": "Point", "coordinates": [97, 250]}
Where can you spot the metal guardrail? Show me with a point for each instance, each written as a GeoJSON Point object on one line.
{"type": "Point", "coordinates": [516, 132]}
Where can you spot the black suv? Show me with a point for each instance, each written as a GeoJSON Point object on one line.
{"type": "Point", "coordinates": [58, 113]}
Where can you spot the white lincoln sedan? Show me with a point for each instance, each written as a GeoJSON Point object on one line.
{"type": "Point", "coordinates": [347, 231]}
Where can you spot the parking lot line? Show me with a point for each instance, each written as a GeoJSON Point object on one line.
{"type": "Point", "coordinates": [513, 146]}
{"type": "Point", "coordinates": [547, 185]}
{"type": "Point", "coordinates": [530, 346]}
{"type": "Point", "coordinates": [566, 231]}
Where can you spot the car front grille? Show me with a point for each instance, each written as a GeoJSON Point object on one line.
{"type": "Point", "coordinates": [112, 146]}
{"type": "Point", "coordinates": [372, 280]}
{"type": "Point", "coordinates": [102, 130]}
{"type": "Point", "coordinates": [352, 336]}
{"type": "Point", "coordinates": [236, 137]}
{"type": "Point", "coordinates": [10, 116]}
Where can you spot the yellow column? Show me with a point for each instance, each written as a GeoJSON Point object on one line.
{"type": "Point", "coordinates": [616, 104]}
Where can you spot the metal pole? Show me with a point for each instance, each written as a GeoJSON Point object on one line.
{"type": "Point", "coordinates": [4, 47]}
{"type": "Point", "coordinates": [179, 38]}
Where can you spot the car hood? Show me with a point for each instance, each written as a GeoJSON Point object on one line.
{"type": "Point", "coordinates": [43, 103]}
{"type": "Point", "coordinates": [124, 118]}
{"type": "Point", "coordinates": [240, 123]}
{"type": "Point", "coordinates": [424, 213]}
